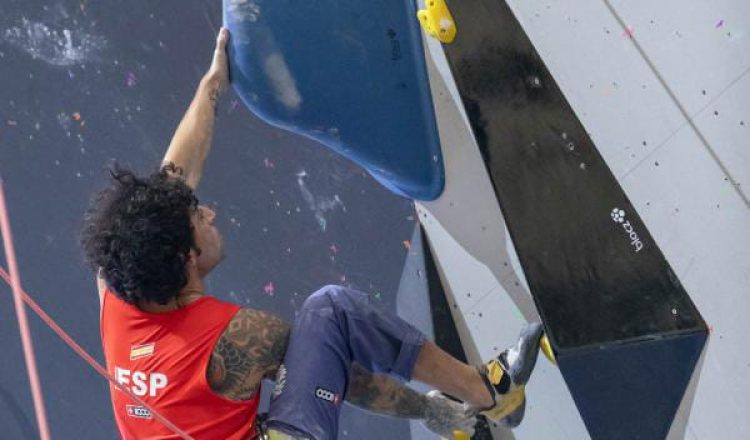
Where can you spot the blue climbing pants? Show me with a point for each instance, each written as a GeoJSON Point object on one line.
{"type": "Point", "coordinates": [335, 327]}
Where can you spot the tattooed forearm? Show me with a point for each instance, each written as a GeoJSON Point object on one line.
{"type": "Point", "coordinates": [384, 395]}
{"type": "Point", "coordinates": [213, 96]}
{"type": "Point", "coordinates": [251, 348]}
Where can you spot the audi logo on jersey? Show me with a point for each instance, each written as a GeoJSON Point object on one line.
{"type": "Point", "coordinates": [140, 412]}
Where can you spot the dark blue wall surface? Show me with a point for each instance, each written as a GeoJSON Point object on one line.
{"type": "Point", "coordinates": [82, 83]}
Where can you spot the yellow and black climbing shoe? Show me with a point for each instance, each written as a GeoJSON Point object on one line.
{"type": "Point", "coordinates": [506, 377]}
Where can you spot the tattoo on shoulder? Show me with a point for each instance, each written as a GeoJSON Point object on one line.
{"type": "Point", "coordinates": [252, 347]}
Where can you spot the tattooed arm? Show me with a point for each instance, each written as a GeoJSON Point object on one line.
{"type": "Point", "coordinates": [192, 139]}
{"type": "Point", "coordinates": [382, 394]}
{"type": "Point", "coordinates": [250, 349]}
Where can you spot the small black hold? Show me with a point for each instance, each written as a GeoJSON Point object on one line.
{"type": "Point", "coordinates": [716, 113]}
{"type": "Point", "coordinates": [656, 163]}
{"type": "Point", "coordinates": [480, 314]}
{"type": "Point", "coordinates": [703, 92]}
{"type": "Point", "coordinates": [742, 122]}
{"type": "Point", "coordinates": [644, 143]}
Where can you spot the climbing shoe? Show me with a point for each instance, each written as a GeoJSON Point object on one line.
{"type": "Point", "coordinates": [506, 376]}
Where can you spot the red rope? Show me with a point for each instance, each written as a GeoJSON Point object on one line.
{"type": "Point", "coordinates": [23, 323]}
{"type": "Point", "coordinates": [20, 295]}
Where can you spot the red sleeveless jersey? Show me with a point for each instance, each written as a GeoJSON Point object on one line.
{"type": "Point", "coordinates": [162, 358]}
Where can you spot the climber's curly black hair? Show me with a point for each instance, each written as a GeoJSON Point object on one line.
{"type": "Point", "coordinates": [138, 233]}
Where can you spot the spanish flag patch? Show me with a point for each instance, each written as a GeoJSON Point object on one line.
{"type": "Point", "coordinates": [141, 351]}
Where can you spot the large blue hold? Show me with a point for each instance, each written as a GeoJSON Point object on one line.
{"type": "Point", "coordinates": [349, 74]}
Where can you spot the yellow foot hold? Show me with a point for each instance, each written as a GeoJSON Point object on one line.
{"type": "Point", "coordinates": [460, 435]}
{"type": "Point", "coordinates": [546, 347]}
{"type": "Point", "coordinates": [438, 21]}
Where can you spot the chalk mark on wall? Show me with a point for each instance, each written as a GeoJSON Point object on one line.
{"type": "Point", "coordinates": [55, 45]}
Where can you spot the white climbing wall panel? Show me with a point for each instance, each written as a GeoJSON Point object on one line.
{"type": "Point", "coordinates": [663, 88]}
